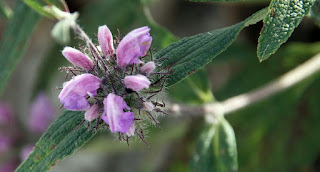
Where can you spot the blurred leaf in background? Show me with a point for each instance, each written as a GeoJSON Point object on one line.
{"type": "Point", "coordinates": [280, 133]}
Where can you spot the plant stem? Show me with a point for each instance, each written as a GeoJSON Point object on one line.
{"type": "Point", "coordinates": [241, 101]}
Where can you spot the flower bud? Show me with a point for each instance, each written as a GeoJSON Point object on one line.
{"type": "Point", "coordinates": [114, 116]}
{"type": "Point", "coordinates": [133, 45]}
{"type": "Point", "coordinates": [136, 82]}
{"type": "Point", "coordinates": [92, 113]}
{"type": "Point", "coordinates": [105, 40]}
{"type": "Point", "coordinates": [42, 112]}
{"type": "Point", "coordinates": [131, 130]}
{"type": "Point", "coordinates": [148, 106]}
{"type": "Point", "coordinates": [148, 68]}
{"type": "Point", "coordinates": [74, 92]}
{"type": "Point", "coordinates": [77, 58]}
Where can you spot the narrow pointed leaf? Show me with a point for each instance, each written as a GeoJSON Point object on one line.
{"type": "Point", "coordinates": [225, 148]}
{"type": "Point", "coordinates": [190, 54]}
{"type": "Point", "coordinates": [38, 5]}
{"type": "Point", "coordinates": [283, 17]}
{"type": "Point", "coordinates": [61, 140]}
{"type": "Point", "coordinates": [15, 39]}
{"type": "Point", "coordinates": [203, 159]}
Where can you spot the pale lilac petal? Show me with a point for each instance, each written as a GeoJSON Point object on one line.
{"type": "Point", "coordinates": [77, 58]}
{"type": "Point", "coordinates": [131, 130]}
{"type": "Point", "coordinates": [42, 112]}
{"type": "Point", "coordinates": [92, 113]}
{"type": "Point", "coordinates": [6, 115]}
{"type": "Point", "coordinates": [148, 67]}
{"type": "Point", "coordinates": [133, 45]}
{"type": "Point", "coordinates": [105, 40]}
{"type": "Point", "coordinates": [148, 106]}
{"type": "Point", "coordinates": [74, 92]}
{"type": "Point", "coordinates": [114, 116]}
{"type": "Point", "coordinates": [75, 103]}
{"type": "Point", "coordinates": [136, 82]}
{"type": "Point", "coordinates": [25, 152]}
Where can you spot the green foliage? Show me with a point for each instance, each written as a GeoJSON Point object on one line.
{"type": "Point", "coordinates": [225, 147]}
{"type": "Point", "coordinates": [195, 89]}
{"type": "Point", "coordinates": [15, 39]}
{"type": "Point", "coordinates": [5, 10]}
{"type": "Point", "coordinates": [283, 17]}
{"type": "Point", "coordinates": [281, 133]}
{"type": "Point", "coordinates": [229, 0]}
{"type": "Point", "coordinates": [190, 54]}
{"type": "Point", "coordinates": [315, 12]}
{"type": "Point", "coordinates": [203, 157]}
{"type": "Point", "coordinates": [216, 149]}
{"type": "Point", "coordinates": [61, 139]}
{"type": "Point", "coordinates": [38, 5]}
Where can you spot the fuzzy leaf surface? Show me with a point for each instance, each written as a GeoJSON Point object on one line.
{"type": "Point", "coordinates": [61, 140]}
{"type": "Point", "coordinates": [283, 17]}
{"type": "Point", "coordinates": [15, 39]}
{"type": "Point", "coordinates": [190, 54]}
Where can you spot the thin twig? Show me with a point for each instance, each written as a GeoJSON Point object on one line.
{"type": "Point", "coordinates": [241, 101]}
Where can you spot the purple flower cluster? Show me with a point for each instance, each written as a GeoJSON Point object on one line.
{"type": "Point", "coordinates": [117, 85]}
{"type": "Point", "coordinates": [42, 113]}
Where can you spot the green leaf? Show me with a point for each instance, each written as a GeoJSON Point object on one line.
{"type": "Point", "coordinates": [195, 89]}
{"type": "Point", "coordinates": [225, 147]}
{"type": "Point", "coordinates": [61, 139]}
{"type": "Point", "coordinates": [190, 54]}
{"type": "Point", "coordinates": [216, 149]}
{"type": "Point", "coordinates": [283, 17]}
{"type": "Point", "coordinates": [38, 5]}
{"type": "Point", "coordinates": [15, 39]}
{"type": "Point", "coordinates": [315, 12]}
{"type": "Point", "coordinates": [229, 1]}
{"type": "Point", "coordinates": [203, 158]}
{"type": "Point", "coordinates": [5, 10]}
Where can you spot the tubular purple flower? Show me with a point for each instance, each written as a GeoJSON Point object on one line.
{"type": "Point", "coordinates": [77, 58]}
{"type": "Point", "coordinates": [105, 40]}
{"type": "Point", "coordinates": [92, 113]}
{"type": "Point", "coordinates": [6, 115]}
{"type": "Point", "coordinates": [114, 116]}
{"type": "Point", "coordinates": [148, 68]}
{"type": "Point", "coordinates": [136, 82]}
{"type": "Point", "coordinates": [74, 92]}
{"type": "Point", "coordinates": [42, 112]}
{"type": "Point", "coordinates": [133, 45]}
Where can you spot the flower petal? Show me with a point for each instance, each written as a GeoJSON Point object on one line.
{"type": "Point", "coordinates": [133, 45]}
{"type": "Point", "coordinates": [77, 58]}
{"type": "Point", "coordinates": [136, 82]}
{"type": "Point", "coordinates": [74, 92]}
{"type": "Point", "coordinates": [42, 113]}
{"type": "Point", "coordinates": [92, 113]}
{"type": "Point", "coordinates": [118, 120]}
{"type": "Point", "coordinates": [105, 40]}
{"type": "Point", "coordinates": [148, 67]}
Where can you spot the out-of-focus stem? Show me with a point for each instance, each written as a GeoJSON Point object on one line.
{"type": "Point", "coordinates": [241, 101]}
